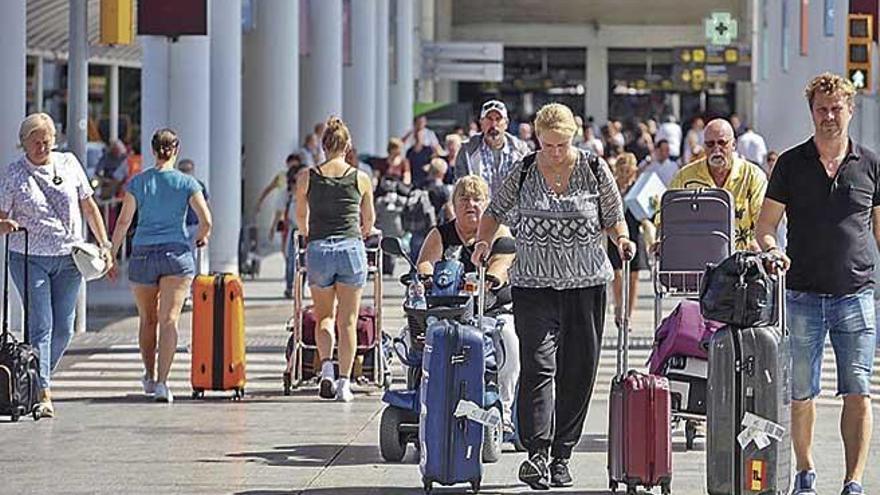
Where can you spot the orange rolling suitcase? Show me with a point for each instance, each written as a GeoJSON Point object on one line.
{"type": "Point", "coordinates": [218, 346]}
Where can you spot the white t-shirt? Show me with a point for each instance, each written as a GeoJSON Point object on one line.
{"type": "Point", "coordinates": [665, 170]}
{"type": "Point", "coordinates": [752, 147]}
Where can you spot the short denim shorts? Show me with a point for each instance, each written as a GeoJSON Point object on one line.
{"type": "Point", "coordinates": [150, 263]}
{"type": "Point", "coordinates": [851, 322]}
{"type": "Point", "coordinates": [336, 260]}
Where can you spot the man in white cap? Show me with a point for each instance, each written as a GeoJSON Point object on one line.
{"type": "Point", "coordinates": [492, 153]}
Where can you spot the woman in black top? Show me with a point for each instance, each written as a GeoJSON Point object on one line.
{"type": "Point", "coordinates": [334, 212]}
{"type": "Point", "coordinates": [469, 198]}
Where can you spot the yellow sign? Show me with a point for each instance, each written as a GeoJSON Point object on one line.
{"type": "Point", "coordinates": [116, 22]}
{"type": "Point", "coordinates": [757, 474]}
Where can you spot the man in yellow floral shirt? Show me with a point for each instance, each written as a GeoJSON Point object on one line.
{"type": "Point", "coordinates": [723, 168]}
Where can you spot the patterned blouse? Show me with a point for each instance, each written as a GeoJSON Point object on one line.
{"type": "Point", "coordinates": [26, 202]}
{"type": "Point", "coordinates": [560, 240]}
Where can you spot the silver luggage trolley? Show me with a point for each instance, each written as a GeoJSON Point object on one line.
{"type": "Point", "coordinates": [300, 369]}
{"type": "Point", "coordinates": [697, 227]}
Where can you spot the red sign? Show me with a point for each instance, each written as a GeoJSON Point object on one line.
{"type": "Point", "coordinates": [173, 17]}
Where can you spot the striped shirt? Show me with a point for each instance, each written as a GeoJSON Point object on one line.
{"type": "Point", "coordinates": [560, 241]}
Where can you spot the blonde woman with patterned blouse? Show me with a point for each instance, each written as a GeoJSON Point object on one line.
{"type": "Point", "coordinates": [568, 202]}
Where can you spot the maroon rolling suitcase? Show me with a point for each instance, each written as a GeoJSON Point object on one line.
{"type": "Point", "coordinates": [639, 436]}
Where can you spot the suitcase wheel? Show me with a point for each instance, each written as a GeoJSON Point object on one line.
{"type": "Point", "coordinates": [665, 489]}
{"type": "Point", "coordinates": [238, 394]}
{"type": "Point", "coordinates": [475, 485]}
{"type": "Point", "coordinates": [14, 418]}
{"type": "Point", "coordinates": [631, 490]}
{"type": "Point", "coordinates": [198, 394]}
{"type": "Point", "coordinates": [287, 385]}
{"type": "Point", "coordinates": [613, 486]}
{"type": "Point", "coordinates": [428, 485]}
{"type": "Point", "coordinates": [690, 433]}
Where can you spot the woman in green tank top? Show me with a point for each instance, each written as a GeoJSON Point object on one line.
{"type": "Point", "coordinates": [334, 210]}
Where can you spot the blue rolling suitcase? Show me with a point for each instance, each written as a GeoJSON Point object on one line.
{"type": "Point", "coordinates": [453, 368]}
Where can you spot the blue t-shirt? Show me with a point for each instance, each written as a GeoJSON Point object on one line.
{"type": "Point", "coordinates": [162, 200]}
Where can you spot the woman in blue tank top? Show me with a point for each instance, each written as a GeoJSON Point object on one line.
{"type": "Point", "coordinates": [162, 265]}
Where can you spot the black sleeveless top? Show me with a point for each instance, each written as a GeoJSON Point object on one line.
{"type": "Point", "coordinates": [449, 237]}
{"type": "Point", "coordinates": [334, 205]}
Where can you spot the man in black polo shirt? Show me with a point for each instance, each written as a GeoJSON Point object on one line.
{"type": "Point", "coordinates": [829, 189]}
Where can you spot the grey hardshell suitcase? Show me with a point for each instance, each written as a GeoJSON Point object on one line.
{"type": "Point", "coordinates": [748, 447]}
{"type": "Point", "coordinates": [697, 227]}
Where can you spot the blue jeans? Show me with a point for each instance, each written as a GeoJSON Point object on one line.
{"type": "Point", "coordinates": [851, 322]}
{"type": "Point", "coordinates": [336, 260]}
{"type": "Point", "coordinates": [53, 284]}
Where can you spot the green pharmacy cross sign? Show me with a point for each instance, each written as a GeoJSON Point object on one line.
{"type": "Point", "coordinates": [721, 28]}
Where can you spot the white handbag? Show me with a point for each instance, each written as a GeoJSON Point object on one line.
{"type": "Point", "coordinates": [88, 260]}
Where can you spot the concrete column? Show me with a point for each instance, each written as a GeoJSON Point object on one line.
{"type": "Point", "coordinates": [444, 91]}
{"type": "Point", "coordinates": [382, 87]}
{"type": "Point", "coordinates": [154, 91]}
{"type": "Point", "coordinates": [323, 91]}
{"type": "Point", "coordinates": [271, 88]}
{"type": "Point", "coordinates": [359, 78]}
{"type": "Point", "coordinates": [189, 103]}
{"type": "Point", "coordinates": [402, 83]}
{"type": "Point", "coordinates": [13, 24]}
{"type": "Point", "coordinates": [225, 185]}
{"type": "Point", "coordinates": [597, 83]}
{"type": "Point", "coordinates": [113, 80]}
{"type": "Point", "coordinates": [77, 109]}
{"type": "Point", "coordinates": [426, 33]}
{"type": "Point", "coordinates": [38, 83]}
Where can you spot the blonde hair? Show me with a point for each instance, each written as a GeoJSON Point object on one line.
{"type": "Point", "coordinates": [555, 117]}
{"type": "Point", "coordinates": [830, 84]}
{"type": "Point", "coordinates": [394, 144]}
{"type": "Point", "coordinates": [33, 123]}
{"type": "Point", "coordinates": [437, 167]}
{"type": "Point", "coordinates": [625, 163]}
{"type": "Point", "coordinates": [471, 186]}
{"type": "Point", "coordinates": [336, 136]}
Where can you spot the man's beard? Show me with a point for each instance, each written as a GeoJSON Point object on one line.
{"type": "Point", "coordinates": [493, 133]}
{"type": "Point", "coordinates": [717, 162]}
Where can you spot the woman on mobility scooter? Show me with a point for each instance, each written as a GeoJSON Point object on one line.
{"type": "Point", "coordinates": [469, 199]}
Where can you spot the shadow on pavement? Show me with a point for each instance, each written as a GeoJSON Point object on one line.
{"type": "Point", "coordinates": [395, 490]}
{"type": "Point", "coordinates": [592, 443]}
{"type": "Point", "coordinates": [315, 455]}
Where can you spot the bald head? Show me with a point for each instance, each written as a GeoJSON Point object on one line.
{"type": "Point", "coordinates": [718, 138]}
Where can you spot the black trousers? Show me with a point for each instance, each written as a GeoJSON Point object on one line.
{"type": "Point", "coordinates": [560, 337]}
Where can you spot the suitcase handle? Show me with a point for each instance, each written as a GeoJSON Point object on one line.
{"type": "Point", "coordinates": [4, 332]}
{"type": "Point", "coordinates": [623, 329]}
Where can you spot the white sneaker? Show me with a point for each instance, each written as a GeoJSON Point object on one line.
{"type": "Point", "coordinates": [149, 385]}
{"type": "Point", "coordinates": [343, 391]}
{"type": "Point", "coordinates": [163, 393]}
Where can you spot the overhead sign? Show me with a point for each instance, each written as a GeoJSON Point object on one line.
{"type": "Point", "coordinates": [695, 67]}
{"type": "Point", "coordinates": [463, 61]}
{"type": "Point", "coordinates": [721, 28]}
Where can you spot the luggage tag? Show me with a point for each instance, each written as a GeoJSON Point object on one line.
{"type": "Point", "coordinates": [760, 430]}
{"type": "Point", "coordinates": [466, 408]}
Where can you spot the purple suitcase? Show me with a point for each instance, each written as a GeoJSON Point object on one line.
{"type": "Point", "coordinates": [683, 333]}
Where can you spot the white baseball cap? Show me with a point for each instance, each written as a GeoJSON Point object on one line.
{"type": "Point", "coordinates": [493, 106]}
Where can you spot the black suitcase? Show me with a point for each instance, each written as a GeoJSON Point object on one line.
{"type": "Point", "coordinates": [749, 382]}
{"type": "Point", "coordinates": [19, 365]}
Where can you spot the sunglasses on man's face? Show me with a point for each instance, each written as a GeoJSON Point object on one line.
{"type": "Point", "coordinates": [721, 143]}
